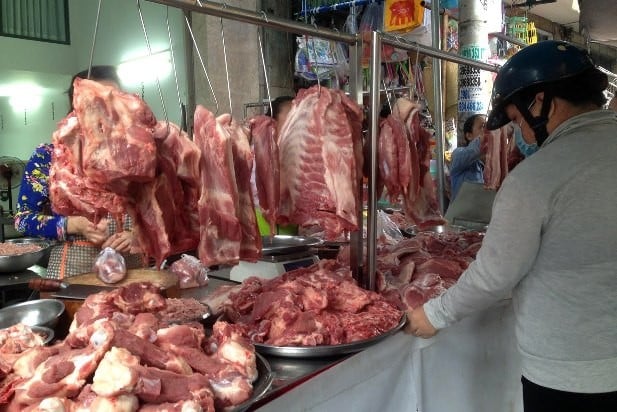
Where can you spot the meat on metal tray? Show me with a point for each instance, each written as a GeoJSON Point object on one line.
{"type": "Point", "coordinates": [326, 350]}
{"type": "Point", "coordinates": [285, 244]}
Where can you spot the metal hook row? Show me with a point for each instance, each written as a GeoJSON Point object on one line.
{"type": "Point", "coordinates": [158, 83]}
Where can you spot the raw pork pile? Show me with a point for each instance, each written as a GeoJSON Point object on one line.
{"type": "Point", "coordinates": [122, 353]}
{"type": "Point", "coordinates": [404, 158]}
{"type": "Point", "coordinates": [414, 270]}
{"type": "Point", "coordinates": [318, 305]}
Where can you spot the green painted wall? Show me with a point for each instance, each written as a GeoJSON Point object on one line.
{"type": "Point", "coordinates": [51, 66]}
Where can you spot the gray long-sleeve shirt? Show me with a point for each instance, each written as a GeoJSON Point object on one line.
{"type": "Point", "coordinates": [552, 244]}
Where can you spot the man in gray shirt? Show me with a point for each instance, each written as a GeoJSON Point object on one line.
{"type": "Point", "coordinates": [552, 239]}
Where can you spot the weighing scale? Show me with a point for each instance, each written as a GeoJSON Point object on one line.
{"type": "Point", "coordinates": [280, 254]}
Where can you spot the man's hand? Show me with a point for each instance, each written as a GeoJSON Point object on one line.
{"type": "Point", "coordinates": [418, 324]}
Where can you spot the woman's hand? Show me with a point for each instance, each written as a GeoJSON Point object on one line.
{"type": "Point", "coordinates": [120, 242]}
{"type": "Point", "coordinates": [418, 324]}
{"type": "Point", "coordinates": [95, 233]}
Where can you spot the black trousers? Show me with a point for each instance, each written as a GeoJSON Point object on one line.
{"type": "Point", "coordinates": [537, 398]}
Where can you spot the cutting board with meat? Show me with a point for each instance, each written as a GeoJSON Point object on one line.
{"type": "Point", "coordinates": [89, 283]}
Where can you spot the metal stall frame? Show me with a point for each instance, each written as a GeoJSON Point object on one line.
{"type": "Point", "coordinates": [379, 38]}
{"type": "Point", "coordinates": [355, 79]}
{"type": "Point", "coordinates": [365, 277]}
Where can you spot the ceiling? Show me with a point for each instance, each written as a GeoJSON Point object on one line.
{"type": "Point", "coordinates": [564, 12]}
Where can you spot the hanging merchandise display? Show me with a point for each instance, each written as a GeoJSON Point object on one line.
{"type": "Point", "coordinates": [402, 16]}
{"type": "Point", "coordinates": [315, 58]}
{"type": "Point", "coordinates": [519, 27]}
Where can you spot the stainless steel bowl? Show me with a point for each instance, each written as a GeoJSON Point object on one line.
{"type": "Point", "coordinates": [19, 263]}
{"type": "Point", "coordinates": [42, 312]}
{"type": "Point", "coordinates": [413, 230]}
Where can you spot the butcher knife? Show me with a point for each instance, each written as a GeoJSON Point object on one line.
{"type": "Point", "coordinates": [65, 290]}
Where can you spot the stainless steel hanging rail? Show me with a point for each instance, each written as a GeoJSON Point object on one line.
{"type": "Point", "coordinates": [401, 43]}
{"type": "Point", "coordinates": [260, 19]}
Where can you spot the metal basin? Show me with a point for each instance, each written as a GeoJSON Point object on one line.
{"type": "Point", "coordinates": [42, 312]}
{"type": "Point", "coordinates": [413, 230]}
{"type": "Point", "coordinates": [19, 263]}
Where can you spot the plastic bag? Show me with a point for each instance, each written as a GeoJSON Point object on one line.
{"type": "Point", "coordinates": [110, 266]}
{"type": "Point", "coordinates": [387, 229]}
{"type": "Point", "coordinates": [190, 271]}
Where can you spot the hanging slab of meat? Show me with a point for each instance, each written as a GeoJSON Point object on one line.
{"type": "Point", "coordinates": [250, 244]}
{"type": "Point", "coordinates": [267, 168]}
{"type": "Point", "coordinates": [496, 163]}
{"type": "Point", "coordinates": [220, 228]}
{"type": "Point", "coordinates": [398, 163]}
{"type": "Point", "coordinates": [394, 157]}
{"type": "Point", "coordinates": [118, 133]}
{"type": "Point", "coordinates": [319, 148]}
{"type": "Point", "coordinates": [421, 206]}
{"type": "Point", "coordinates": [164, 210]}
{"type": "Point", "coordinates": [112, 156]}
{"type": "Point", "coordinates": [226, 213]}
{"type": "Point", "coordinates": [72, 192]}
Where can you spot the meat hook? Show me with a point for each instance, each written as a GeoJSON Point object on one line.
{"type": "Point", "coordinates": [416, 72]}
{"type": "Point", "coordinates": [96, 28]}
{"type": "Point", "coordinates": [158, 83]}
{"type": "Point", "coordinates": [226, 66]}
{"type": "Point", "coordinates": [201, 60]}
{"type": "Point", "coordinates": [315, 54]}
{"type": "Point", "coordinates": [173, 65]}
{"type": "Point", "coordinates": [263, 63]}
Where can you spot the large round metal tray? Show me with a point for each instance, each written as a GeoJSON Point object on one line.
{"type": "Point", "coordinates": [260, 386]}
{"type": "Point", "coordinates": [284, 244]}
{"type": "Point", "coordinates": [326, 350]}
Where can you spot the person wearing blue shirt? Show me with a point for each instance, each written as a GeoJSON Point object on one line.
{"type": "Point", "coordinates": [467, 164]}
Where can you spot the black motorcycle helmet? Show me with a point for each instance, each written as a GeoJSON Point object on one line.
{"type": "Point", "coordinates": [533, 69]}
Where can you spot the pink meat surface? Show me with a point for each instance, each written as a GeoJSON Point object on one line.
{"type": "Point", "coordinates": [267, 168]}
{"type": "Point", "coordinates": [318, 158]}
{"type": "Point", "coordinates": [496, 162]}
{"type": "Point", "coordinates": [118, 133]}
{"type": "Point", "coordinates": [226, 212]}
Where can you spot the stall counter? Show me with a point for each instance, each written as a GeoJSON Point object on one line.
{"type": "Point", "coordinates": [472, 366]}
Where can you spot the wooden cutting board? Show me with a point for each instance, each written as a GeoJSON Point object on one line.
{"type": "Point", "coordinates": [166, 280]}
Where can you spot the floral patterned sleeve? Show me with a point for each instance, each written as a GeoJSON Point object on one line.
{"type": "Point", "coordinates": [34, 216]}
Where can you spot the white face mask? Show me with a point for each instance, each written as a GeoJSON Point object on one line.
{"type": "Point", "coordinates": [525, 148]}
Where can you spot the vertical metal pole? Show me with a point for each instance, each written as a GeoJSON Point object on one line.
{"type": "Point", "coordinates": [371, 232]}
{"type": "Point", "coordinates": [438, 110]}
{"type": "Point", "coordinates": [190, 74]}
{"type": "Point", "coordinates": [356, 240]}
